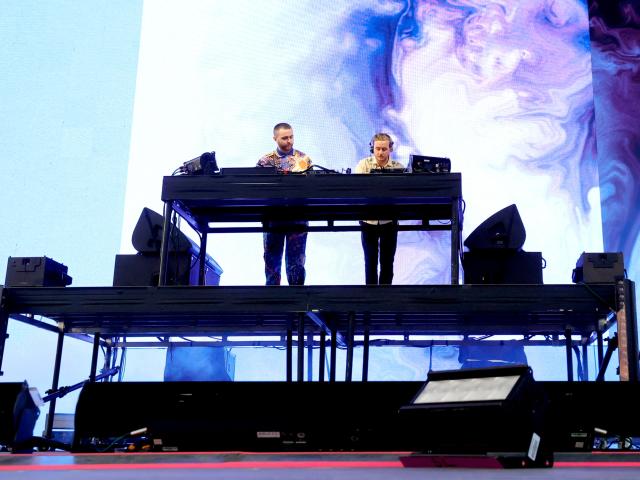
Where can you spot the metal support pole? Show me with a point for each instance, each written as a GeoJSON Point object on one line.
{"type": "Point", "coordinates": [350, 334]}
{"type": "Point", "coordinates": [332, 360]}
{"type": "Point", "coordinates": [322, 356]}
{"type": "Point", "coordinates": [301, 347]}
{"type": "Point", "coordinates": [54, 384]}
{"type": "Point", "coordinates": [585, 359]}
{"type": "Point", "coordinates": [310, 356]}
{"type": "Point", "coordinates": [289, 351]}
{"type": "Point", "coordinates": [94, 357]}
{"type": "Point", "coordinates": [365, 353]}
{"type": "Point", "coordinates": [567, 342]}
{"type": "Point", "coordinates": [600, 347]}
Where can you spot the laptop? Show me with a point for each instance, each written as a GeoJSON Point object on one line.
{"type": "Point", "coordinates": [427, 164]}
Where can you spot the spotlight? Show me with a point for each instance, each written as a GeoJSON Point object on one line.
{"type": "Point", "coordinates": [482, 417]}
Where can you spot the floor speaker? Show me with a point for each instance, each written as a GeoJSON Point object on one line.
{"type": "Point", "coordinates": [8, 394]}
{"type": "Point", "coordinates": [18, 416]}
{"type": "Point", "coordinates": [144, 270]}
{"type": "Point", "coordinates": [502, 266]}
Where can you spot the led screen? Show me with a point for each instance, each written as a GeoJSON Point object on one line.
{"type": "Point", "coordinates": [503, 88]}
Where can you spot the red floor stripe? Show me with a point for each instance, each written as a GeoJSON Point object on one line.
{"type": "Point", "coordinates": [204, 465]}
{"type": "Point", "coordinates": [597, 464]}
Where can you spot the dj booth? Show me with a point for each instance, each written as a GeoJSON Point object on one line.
{"type": "Point", "coordinates": [209, 202]}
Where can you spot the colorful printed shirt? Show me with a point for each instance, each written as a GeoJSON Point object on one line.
{"type": "Point", "coordinates": [294, 161]}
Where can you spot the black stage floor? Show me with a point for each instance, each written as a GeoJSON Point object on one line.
{"type": "Point", "coordinates": [271, 466]}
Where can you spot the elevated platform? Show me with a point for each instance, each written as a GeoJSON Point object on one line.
{"type": "Point", "coordinates": [339, 311]}
{"type": "Point", "coordinates": [397, 310]}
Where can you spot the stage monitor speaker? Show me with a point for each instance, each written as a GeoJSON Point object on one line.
{"type": "Point", "coordinates": [492, 414]}
{"type": "Point", "coordinates": [147, 235]}
{"type": "Point", "coordinates": [36, 272]}
{"type": "Point", "coordinates": [599, 268]}
{"type": "Point", "coordinates": [502, 266]}
{"type": "Point", "coordinates": [503, 229]}
{"type": "Point", "coordinates": [18, 415]}
{"type": "Point", "coordinates": [245, 416]}
{"type": "Point", "coordinates": [144, 270]}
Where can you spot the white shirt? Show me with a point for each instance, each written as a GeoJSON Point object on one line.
{"type": "Point", "coordinates": [369, 163]}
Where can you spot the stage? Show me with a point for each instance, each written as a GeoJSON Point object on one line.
{"type": "Point", "coordinates": [282, 466]}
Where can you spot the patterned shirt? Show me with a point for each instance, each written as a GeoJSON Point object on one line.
{"type": "Point", "coordinates": [369, 163]}
{"type": "Point", "coordinates": [294, 161]}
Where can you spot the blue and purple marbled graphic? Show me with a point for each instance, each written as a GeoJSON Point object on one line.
{"type": "Point", "coordinates": [615, 40]}
{"type": "Point", "coordinates": [503, 88]}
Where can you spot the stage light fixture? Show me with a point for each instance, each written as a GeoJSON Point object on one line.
{"type": "Point", "coordinates": [493, 417]}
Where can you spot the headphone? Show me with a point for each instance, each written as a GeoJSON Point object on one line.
{"type": "Point", "coordinates": [381, 137]}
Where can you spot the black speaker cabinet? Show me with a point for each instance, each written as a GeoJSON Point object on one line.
{"type": "Point", "coordinates": [18, 416]}
{"type": "Point", "coordinates": [502, 266]}
{"type": "Point", "coordinates": [313, 416]}
{"type": "Point", "coordinates": [144, 270]}
{"type": "Point", "coordinates": [247, 416]}
{"type": "Point", "coordinates": [599, 268]}
{"type": "Point", "coordinates": [8, 395]}
{"type": "Point", "coordinates": [36, 272]}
